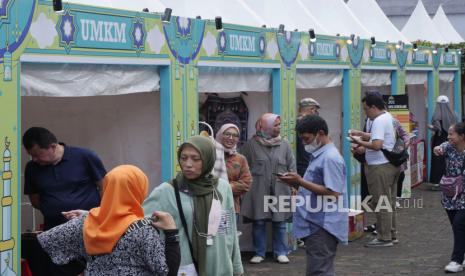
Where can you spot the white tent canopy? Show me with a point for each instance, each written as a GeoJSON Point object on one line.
{"type": "Point", "coordinates": [139, 5]}
{"type": "Point", "coordinates": [420, 26]}
{"type": "Point", "coordinates": [232, 11]}
{"type": "Point", "coordinates": [287, 12]}
{"type": "Point", "coordinates": [445, 27]}
{"type": "Point", "coordinates": [374, 19]}
{"type": "Point", "coordinates": [336, 17]}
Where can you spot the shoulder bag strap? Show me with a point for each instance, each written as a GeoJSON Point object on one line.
{"type": "Point", "coordinates": [183, 221]}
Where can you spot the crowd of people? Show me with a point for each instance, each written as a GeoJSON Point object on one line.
{"type": "Point", "coordinates": [108, 223]}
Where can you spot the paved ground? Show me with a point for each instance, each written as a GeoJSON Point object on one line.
{"type": "Point", "coordinates": [424, 248]}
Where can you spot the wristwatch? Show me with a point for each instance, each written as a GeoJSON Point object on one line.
{"type": "Point", "coordinates": [171, 236]}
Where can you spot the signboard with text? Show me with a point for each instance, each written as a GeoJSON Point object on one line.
{"type": "Point", "coordinates": [241, 43]}
{"type": "Point", "coordinates": [324, 50]}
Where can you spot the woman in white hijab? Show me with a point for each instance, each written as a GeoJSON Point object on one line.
{"type": "Point", "coordinates": [443, 118]}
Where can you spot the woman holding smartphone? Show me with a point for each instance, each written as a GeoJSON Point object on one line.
{"type": "Point", "coordinates": [268, 154]}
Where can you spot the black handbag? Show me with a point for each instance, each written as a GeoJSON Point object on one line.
{"type": "Point", "coordinates": [398, 155]}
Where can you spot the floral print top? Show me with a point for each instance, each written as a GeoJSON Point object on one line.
{"type": "Point", "coordinates": [239, 177]}
{"type": "Point", "coordinates": [139, 252]}
{"type": "Point", "coordinates": [454, 166]}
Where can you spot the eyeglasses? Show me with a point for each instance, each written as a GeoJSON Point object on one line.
{"type": "Point", "coordinates": [230, 135]}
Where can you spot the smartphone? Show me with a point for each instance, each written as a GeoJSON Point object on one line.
{"type": "Point", "coordinates": [279, 174]}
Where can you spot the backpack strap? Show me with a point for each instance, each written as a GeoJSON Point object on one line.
{"type": "Point", "coordinates": [183, 221]}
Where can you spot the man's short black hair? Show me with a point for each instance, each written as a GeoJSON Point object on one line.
{"type": "Point", "coordinates": [372, 99]}
{"type": "Point", "coordinates": [311, 124]}
{"type": "Point", "coordinates": [38, 136]}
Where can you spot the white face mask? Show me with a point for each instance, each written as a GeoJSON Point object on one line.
{"type": "Point", "coordinates": [214, 218]}
{"type": "Point", "coordinates": [310, 148]}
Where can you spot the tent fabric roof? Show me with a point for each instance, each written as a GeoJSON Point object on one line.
{"type": "Point", "coordinates": [290, 13]}
{"type": "Point", "coordinates": [374, 19]}
{"type": "Point", "coordinates": [420, 26]}
{"type": "Point", "coordinates": [445, 27]}
{"type": "Point", "coordinates": [153, 6]}
{"type": "Point", "coordinates": [336, 17]}
{"type": "Point", "coordinates": [231, 11]}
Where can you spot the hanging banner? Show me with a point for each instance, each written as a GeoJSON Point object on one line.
{"type": "Point", "coordinates": [420, 57]}
{"type": "Point", "coordinates": [449, 59]}
{"type": "Point", "coordinates": [324, 50]}
{"type": "Point", "coordinates": [90, 30]}
{"type": "Point", "coordinates": [380, 54]}
{"type": "Point", "coordinates": [240, 43]}
{"type": "Point", "coordinates": [398, 107]}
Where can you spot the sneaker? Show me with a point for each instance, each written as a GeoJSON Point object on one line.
{"type": "Point", "coordinates": [282, 259]}
{"type": "Point", "coordinates": [300, 243]}
{"type": "Point", "coordinates": [435, 187]}
{"type": "Point", "coordinates": [256, 259]}
{"type": "Point", "coordinates": [370, 228]}
{"type": "Point", "coordinates": [453, 267]}
{"type": "Point", "coordinates": [395, 241]}
{"type": "Point", "coordinates": [379, 243]}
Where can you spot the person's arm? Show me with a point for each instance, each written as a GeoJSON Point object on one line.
{"type": "Point", "coordinates": [374, 145]}
{"type": "Point", "coordinates": [35, 200]}
{"type": "Point", "coordinates": [294, 180]}
{"type": "Point", "coordinates": [242, 185]}
{"type": "Point", "coordinates": [365, 136]}
{"type": "Point", "coordinates": [172, 251]}
{"type": "Point", "coordinates": [96, 170]}
{"type": "Point", "coordinates": [164, 221]}
{"type": "Point", "coordinates": [99, 185]}
{"type": "Point", "coordinates": [64, 243]}
{"type": "Point", "coordinates": [441, 149]}
{"type": "Point", "coordinates": [377, 134]}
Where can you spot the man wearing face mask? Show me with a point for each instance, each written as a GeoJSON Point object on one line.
{"type": "Point", "coordinates": [307, 106]}
{"type": "Point", "coordinates": [322, 220]}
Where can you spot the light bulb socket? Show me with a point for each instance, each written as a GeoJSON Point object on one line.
{"type": "Point", "coordinates": [351, 39]}
{"type": "Point", "coordinates": [219, 23]}
{"type": "Point", "coordinates": [311, 32]}
{"type": "Point", "coordinates": [57, 6]}
{"type": "Point", "coordinates": [167, 15]}
{"type": "Point", "coordinates": [281, 29]}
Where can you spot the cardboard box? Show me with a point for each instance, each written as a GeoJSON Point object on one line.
{"type": "Point", "coordinates": [356, 223]}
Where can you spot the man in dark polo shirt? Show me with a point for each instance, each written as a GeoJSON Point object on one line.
{"type": "Point", "coordinates": [59, 177]}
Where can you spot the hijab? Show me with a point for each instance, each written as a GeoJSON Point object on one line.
{"type": "Point", "coordinates": [124, 189]}
{"type": "Point", "coordinates": [443, 117]}
{"type": "Point", "coordinates": [219, 137]}
{"type": "Point", "coordinates": [264, 127]}
{"type": "Point", "coordinates": [202, 190]}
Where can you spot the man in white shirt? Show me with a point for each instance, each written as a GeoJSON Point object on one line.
{"type": "Point", "coordinates": [380, 173]}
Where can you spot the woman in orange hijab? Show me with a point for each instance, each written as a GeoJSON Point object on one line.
{"type": "Point", "coordinates": [115, 238]}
